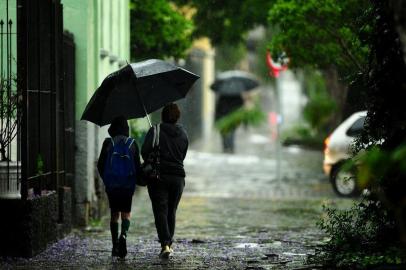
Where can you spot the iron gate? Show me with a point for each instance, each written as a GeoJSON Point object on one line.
{"type": "Point", "coordinates": [46, 79]}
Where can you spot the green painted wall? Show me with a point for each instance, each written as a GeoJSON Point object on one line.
{"type": "Point", "coordinates": [101, 30]}
{"type": "Point", "coordinates": [99, 27]}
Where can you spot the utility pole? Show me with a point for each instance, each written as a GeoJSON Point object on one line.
{"type": "Point", "coordinates": [274, 71]}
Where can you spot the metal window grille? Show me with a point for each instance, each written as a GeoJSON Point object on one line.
{"type": "Point", "coordinates": [10, 109]}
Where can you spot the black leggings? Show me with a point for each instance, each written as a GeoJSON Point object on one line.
{"type": "Point", "coordinates": [165, 195]}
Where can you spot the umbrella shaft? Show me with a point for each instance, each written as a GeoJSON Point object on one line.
{"type": "Point", "coordinates": [149, 120]}
{"type": "Point", "coordinates": [143, 106]}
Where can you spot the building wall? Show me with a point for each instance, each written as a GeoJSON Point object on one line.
{"type": "Point", "coordinates": [199, 104]}
{"type": "Point", "coordinates": [101, 29]}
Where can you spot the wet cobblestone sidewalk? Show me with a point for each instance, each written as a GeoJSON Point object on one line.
{"type": "Point", "coordinates": [234, 214]}
{"type": "Point", "coordinates": [242, 234]}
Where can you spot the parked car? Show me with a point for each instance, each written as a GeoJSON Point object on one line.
{"type": "Point", "coordinates": [337, 149]}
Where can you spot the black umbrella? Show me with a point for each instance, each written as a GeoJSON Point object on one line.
{"type": "Point", "coordinates": [233, 82]}
{"type": "Point", "coordinates": [138, 89]}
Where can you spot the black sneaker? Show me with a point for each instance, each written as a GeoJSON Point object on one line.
{"type": "Point", "coordinates": [115, 251]}
{"type": "Point", "coordinates": [122, 246]}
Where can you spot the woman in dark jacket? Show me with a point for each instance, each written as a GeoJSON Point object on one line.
{"type": "Point", "coordinates": [120, 197]}
{"type": "Point", "coordinates": [166, 192]}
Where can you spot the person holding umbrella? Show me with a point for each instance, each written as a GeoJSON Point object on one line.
{"type": "Point", "coordinates": [166, 192]}
{"type": "Point", "coordinates": [230, 87]}
{"type": "Point", "coordinates": [224, 106]}
{"type": "Point", "coordinates": [119, 167]}
{"type": "Point", "coordinates": [134, 91]}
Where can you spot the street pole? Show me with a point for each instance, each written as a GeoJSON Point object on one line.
{"type": "Point", "coordinates": [278, 130]}
{"type": "Point", "coordinates": [274, 71]}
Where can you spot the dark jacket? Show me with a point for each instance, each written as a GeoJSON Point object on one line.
{"type": "Point", "coordinates": [106, 148]}
{"type": "Point", "coordinates": [173, 144]}
{"type": "Point", "coordinates": [227, 104]}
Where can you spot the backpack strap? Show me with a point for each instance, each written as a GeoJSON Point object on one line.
{"type": "Point", "coordinates": [130, 141]}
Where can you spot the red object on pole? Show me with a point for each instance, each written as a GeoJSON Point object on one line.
{"type": "Point", "coordinates": [274, 68]}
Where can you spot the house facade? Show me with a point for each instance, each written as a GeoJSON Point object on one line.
{"type": "Point", "coordinates": [102, 36]}
{"type": "Point", "coordinates": [54, 55]}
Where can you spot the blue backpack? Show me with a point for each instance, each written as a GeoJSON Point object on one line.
{"type": "Point", "coordinates": [119, 169]}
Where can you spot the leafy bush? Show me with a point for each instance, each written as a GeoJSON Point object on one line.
{"type": "Point", "coordinates": [375, 164]}
{"type": "Point", "coordinates": [368, 234]}
{"type": "Point", "coordinates": [317, 113]}
{"type": "Point", "coordinates": [158, 30]}
{"type": "Point", "coordinates": [136, 132]}
{"type": "Point", "coordinates": [320, 105]}
{"type": "Point", "coordinates": [361, 237]}
{"type": "Point", "coordinates": [303, 135]}
{"type": "Point", "coordinates": [228, 56]}
{"type": "Point", "coordinates": [247, 116]}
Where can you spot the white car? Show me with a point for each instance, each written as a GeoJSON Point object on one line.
{"type": "Point", "coordinates": [337, 149]}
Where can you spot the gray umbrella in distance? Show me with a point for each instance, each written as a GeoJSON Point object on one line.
{"type": "Point", "coordinates": [233, 82]}
{"type": "Point", "coordinates": [138, 89]}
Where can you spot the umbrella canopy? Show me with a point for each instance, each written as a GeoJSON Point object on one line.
{"type": "Point", "coordinates": [138, 89]}
{"type": "Point", "coordinates": [233, 82]}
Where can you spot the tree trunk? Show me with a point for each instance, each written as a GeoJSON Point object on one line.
{"type": "Point", "coordinates": [399, 10]}
{"type": "Point", "coordinates": [338, 92]}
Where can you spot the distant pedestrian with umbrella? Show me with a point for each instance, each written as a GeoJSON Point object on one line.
{"type": "Point", "coordinates": [224, 106]}
{"type": "Point", "coordinates": [229, 87]}
{"type": "Point", "coordinates": [134, 91]}
{"type": "Point", "coordinates": [166, 191]}
{"type": "Point", "coordinates": [119, 166]}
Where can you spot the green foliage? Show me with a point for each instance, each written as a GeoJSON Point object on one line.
{"type": "Point", "coordinates": [320, 105]}
{"type": "Point", "coordinates": [322, 33]}
{"type": "Point", "coordinates": [386, 120]}
{"type": "Point", "coordinates": [317, 114]}
{"type": "Point", "coordinates": [228, 56]}
{"type": "Point", "coordinates": [370, 233]}
{"type": "Point", "coordinates": [40, 164]}
{"type": "Point", "coordinates": [95, 222]}
{"type": "Point", "coordinates": [136, 132]}
{"type": "Point", "coordinates": [359, 239]}
{"type": "Point", "coordinates": [386, 89]}
{"type": "Point", "coordinates": [261, 68]}
{"type": "Point", "coordinates": [250, 117]}
{"type": "Point", "coordinates": [304, 136]}
{"type": "Point", "coordinates": [158, 30]}
{"type": "Point", "coordinates": [227, 21]}
{"type": "Point", "coordinates": [374, 165]}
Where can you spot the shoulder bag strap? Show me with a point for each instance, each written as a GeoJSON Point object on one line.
{"type": "Point", "coordinates": [154, 138]}
{"type": "Point", "coordinates": [158, 132]}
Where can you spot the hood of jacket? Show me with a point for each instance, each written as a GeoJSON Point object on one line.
{"type": "Point", "coordinates": [172, 130]}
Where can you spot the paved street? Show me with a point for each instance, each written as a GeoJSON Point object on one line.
{"type": "Point", "coordinates": [235, 214]}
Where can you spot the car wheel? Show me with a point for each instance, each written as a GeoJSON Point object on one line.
{"type": "Point", "coordinates": [344, 182]}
